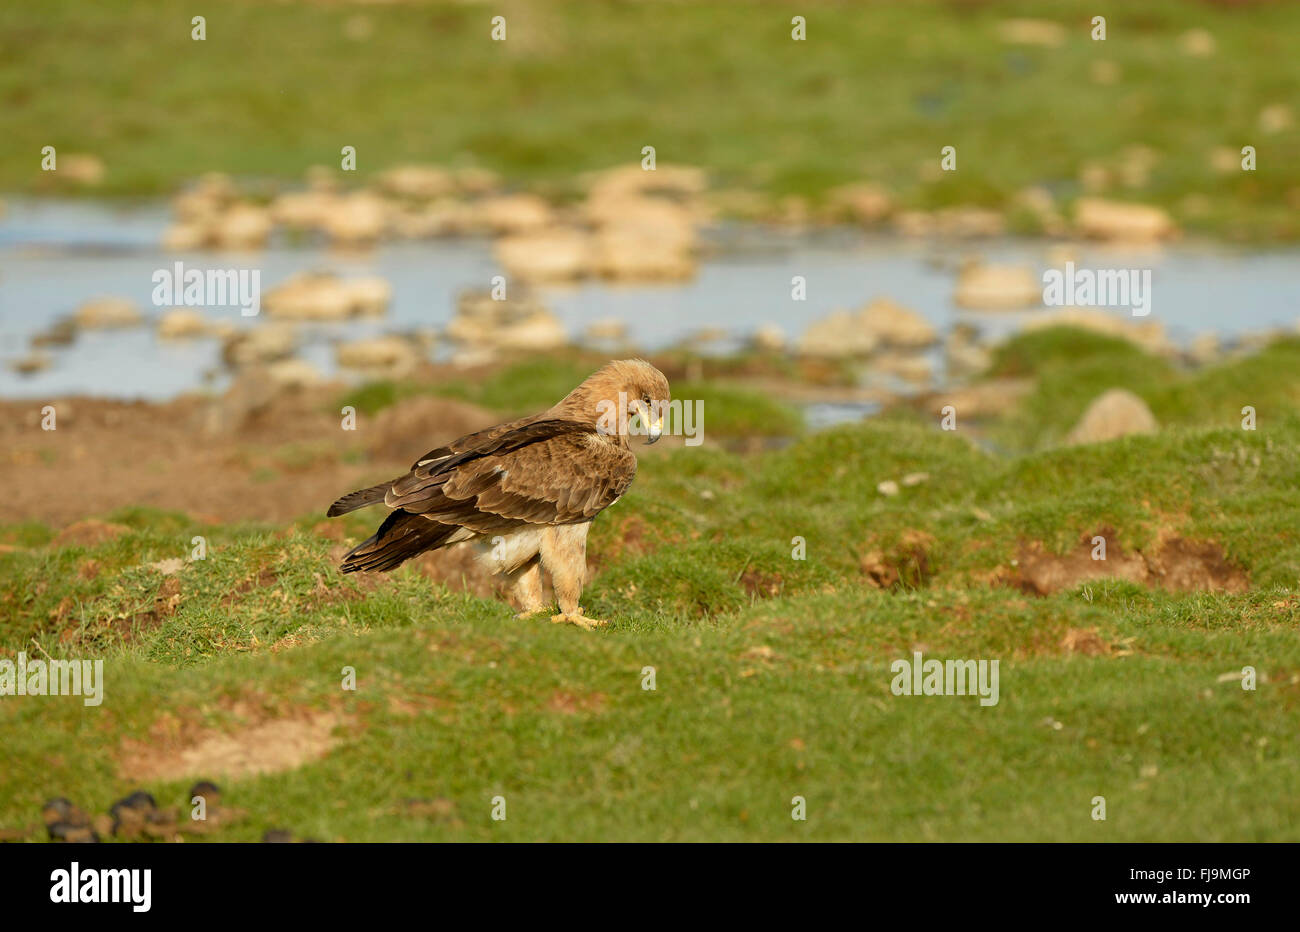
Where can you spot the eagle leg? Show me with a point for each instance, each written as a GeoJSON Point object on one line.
{"type": "Point", "coordinates": [528, 589]}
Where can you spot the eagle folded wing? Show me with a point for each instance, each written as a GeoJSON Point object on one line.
{"type": "Point", "coordinates": [534, 472]}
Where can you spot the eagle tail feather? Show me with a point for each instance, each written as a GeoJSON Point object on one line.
{"type": "Point", "coordinates": [402, 535]}
{"type": "Point", "coordinates": [359, 499]}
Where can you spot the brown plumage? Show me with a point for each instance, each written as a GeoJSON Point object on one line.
{"type": "Point", "coordinates": [529, 488]}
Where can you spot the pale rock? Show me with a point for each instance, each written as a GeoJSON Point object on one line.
{"type": "Point", "coordinates": [357, 219]}
{"type": "Point", "coordinates": [1038, 32]}
{"type": "Point", "coordinates": [553, 255]}
{"type": "Point", "coordinates": [865, 203]}
{"type": "Point", "coordinates": [997, 288]}
{"type": "Point", "coordinates": [243, 226]}
{"type": "Point", "coordinates": [293, 373]}
{"type": "Point", "coordinates": [86, 170]}
{"type": "Point", "coordinates": [1198, 43]}
{"type": "Point", "coordinates": [381, 357]}
{"type": "Point", "coordinates": [897, 326]}
{"type": "Point", "coordinates": [108, 314]}
{"type": "Point", "coordinates": [839, 335]}
{"type": "Point", "coordinates": [1113, 414]}
{"type": "Point", "coordinates": [769, 338]}
{"type": "Point", "coordinates": [417, 182]}
{"type": "Point", "coordinates": [1120, 222]}
{"type": "Point", "coordinates": [182, 324]}
{"type": "Point", "coordinates": [261, 344]}
{"type": "Point", "coordinates": [514, 213]}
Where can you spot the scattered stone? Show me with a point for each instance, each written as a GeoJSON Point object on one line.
{"type": "Point", "coordinates": [910, 367]}
{"type": "Point", "coordinates": [439, 218]}
{"type": "Point", "coordinates": [63, 332]}
{"type": "Point", "coordinates": [293, 373]}
{"type": "Point", "coordinates": [417, 182]}
{"type": "Point", "coordinates": [515, 213]}
{"type": "Point", "coordinates": [610, 329]}
{"type": "Point", "coordinates": [1105, 72]}
{"type": "Point", "coordinates": [963, 354]}
{"type": "Point", "coordinates": [887, 488]}
{"type": "Point", "coordinates": [997, 288]}
{"type": "Point", "coordinates": [303, 210]}
{"type": "Point", "coordinates": [260, 344]}
{"type": "Point", "coordinates": [518, 323]}
{"type": "Point", "coordinates": [1113, 414]}
{"type": "Point", "coordinates": [864, 203]}
{"type": "Point", "coordinates": [182, 324]}
{"type": "Point", "coordinates": [627, 253]}
{"type": "Point", "coordinates": [837, 336]}
{"type": "Point", "coordinates": [769, 338]}
{"type": "Point", "coordinates": [85, 170]}
{"type": "Point", "coordinates": [1276, 118]}
{"type": "Point", "coordinates": [1198, 43]}
{"type": "Point", "coordinates": [915, 478]}
{"type": "Point", "coordinates": [379, 357]}
{"type": "Point", "coordinates": [323, 296]}
{"type": "Point", "coordinates": [1205, 348]}
{"type": "Point", "coordinates": [1119, 222]}
{"type": "Point", "coordinates": [243, 227]}
{"type": "Point", "coordinates": [31, 364]}
{"type": "Point", "coordinates": [897, 326]}
{"type": "Point", "coordinates": [555, 255]}
{"type": "Point", "coordinates": [356, 220]}
{"type": "Point", "coordinates": [108, 313]}
{"type": "Point", "coordinates": [1040, 32]}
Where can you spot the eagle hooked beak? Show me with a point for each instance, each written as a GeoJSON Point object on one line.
{"type": "Point", "coordinates": [655, 428]}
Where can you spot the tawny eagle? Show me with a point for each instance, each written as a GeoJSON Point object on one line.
{"type": "Point", "coordinates": [527, 490]}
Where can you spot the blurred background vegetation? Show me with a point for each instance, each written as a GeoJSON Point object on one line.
{"type": "Point", "coordinates": [874, 92]}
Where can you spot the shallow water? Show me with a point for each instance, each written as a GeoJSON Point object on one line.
{"type": "Point", "coordinates": [55, 255]}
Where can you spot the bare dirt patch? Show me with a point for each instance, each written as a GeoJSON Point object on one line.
{"type": "Point", "coordinates": [268, 746]}
{"type": "Point", "coordinates": [760, 585]}
{"type": "Point", "coordinates": [904, 562]}
{"type": "Point", "coordinates": [276, 462]}
{"type": "Point", "coordinates": [1176, 564]}
{"type": "Point", "coordinates": [89, 533]}
{"type": "Point", "coordinates": [568, 703]}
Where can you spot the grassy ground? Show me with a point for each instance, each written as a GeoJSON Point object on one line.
{"type": "Point", "coordinates": [875, 92]}
{"type": "Point", "coordinates": [772, 673]}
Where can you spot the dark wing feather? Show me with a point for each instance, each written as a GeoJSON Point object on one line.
{"type": "Point", "coordinates": [545, 472]}
{"type": "Point", "coordinates": [534, 471]}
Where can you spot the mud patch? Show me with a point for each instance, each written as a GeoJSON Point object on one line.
{"type": "Point", "coordinates": [1085, 641]}
{"type": "Point", "coordinates": [567, 703]}
{"type": "Point", "coordinates": [89, 533]}
{"type": "Point", "coordinates": [760, 585]}
{"type": "Point", "coordinates": [265, 747]}
{"type": "Point", "coordinates": [1176, 564]}
{"type": "Point", "coordinates": [901, 563]}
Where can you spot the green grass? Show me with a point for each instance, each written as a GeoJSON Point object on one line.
{"type": "Point", "coordinates": [772, 673]}
{"type": "Point", "coordinates": [875, 92]}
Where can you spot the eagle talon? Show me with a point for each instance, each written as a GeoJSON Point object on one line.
{"type": "Point", "coordinates": [582, 621]}
{"type": "Point", "coordinates": [527, 615]}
